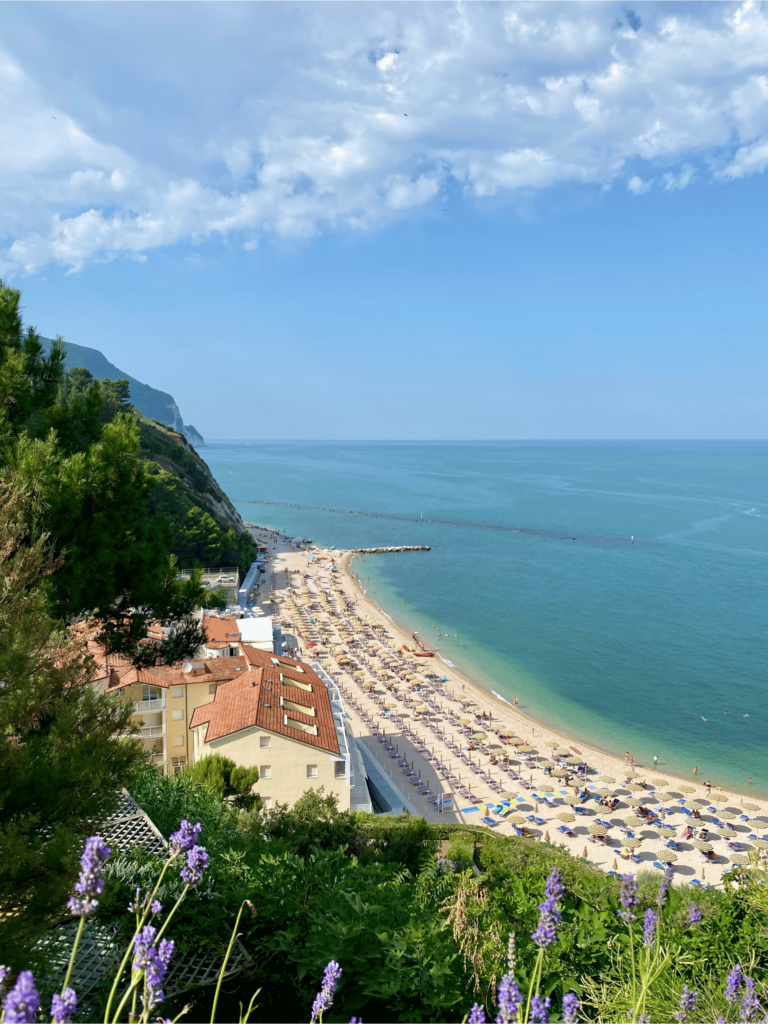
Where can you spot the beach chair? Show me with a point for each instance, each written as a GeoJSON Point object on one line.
{"type": "Point", "coordinates": [489, 822]}
{"type": "Point", "coordinates": [565, 831]}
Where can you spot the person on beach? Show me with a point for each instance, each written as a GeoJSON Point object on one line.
{"type": "Point", "coordinates": [655, 759]}
{"type": "Point", "coordinates": [696, 771]}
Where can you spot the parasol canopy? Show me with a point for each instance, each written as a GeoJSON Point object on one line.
{"type": "Point", "coordinates": [518, 819]}
{"type": "Point", "coordinates": [525, 749]}
{"type": "Point", "coordinates": [547, 764]}
{"type": "Point", "coordinates": [687, 789]}
{"type": "Point", "coordinates": [559, 772]}
{"type": "Point", "coordinates": [478, 735]}
{"type": "Point", "coordinates": [565, 816]}
{"type": "Point", "coordinates": [726, 832]}
{"type": "Point", "coordinates": [761, 844]}
{"type": "Point", "coordinates": [740, 858]}
{"type": "Point", "coordinates": [727, 815]}
{"type": "Point", "coordinates": [571, 799]}
{"type": "Point", "coordinates": [633, 787]}
{"type": "Point", "coordinates": [666, 855]}
{"type": "Point", "coordinates": [659, 783]}
{"type": "Point", "coordinates": [633, 821]}
{"type": "Point", "coordinates": [604, 791]}
{"type": "Point", "coordinates": [751, 807]}
{"type": "Point", "coordinates": [700, 844]}
{"type": "Point", "coordinates": [562, 751]}
{"type": "Point", "coordinates": [606, 778]}
{"type": "Point", "coordinates": [631, 844]}
{"type": "Point", "coordinates": [573, 760]}
{"type": "Point", "coordinates": [718, 798]}
{"type": "Point", "coordinates": [597, 830]}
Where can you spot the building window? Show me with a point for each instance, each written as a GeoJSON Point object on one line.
{"type": "Point", "coordinates": [265, 741]}
{"type": "Point", "coordinates": [265, 771]}
{"type": "Point", "coordinates": [211, 687]}
{"type": "Point", "coordinates": [266, 802]}
{"type": "Point", "coordinates": [339, 769]}
{"type": "Point", "coordinates": [178, 691]}
{"type": "Point", "coordinates": [293, 706]}
{"type": "Point", "coordinates": [150, 692]}
{"type": "Point", "coordinates": [311, 771]}
{"type": "Point", "coordinates": [178, 741]}
{"type": "Point", "coordinates": [178, 714]}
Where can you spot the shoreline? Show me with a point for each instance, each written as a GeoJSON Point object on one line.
{"type": "Point", "coordinates": [489, 700]}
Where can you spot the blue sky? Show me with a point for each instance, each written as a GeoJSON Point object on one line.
{"type": "Point", "coordinates": [564, 237]}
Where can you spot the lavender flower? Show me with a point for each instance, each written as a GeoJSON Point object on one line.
{"type": "Point", "coordinates": [186, 837]}
{"type": "Point", "coordinates": [649, 927]}
{"type": "Point", "coordinates": [694, 913]}
{"type": "Point", "coordinates": [628, 898]}
{"type": "Point", "coordinates": [540, 1010]}
{"type": "Point", "coordinates": [570, 1008]}
{"type": "Point", "coordinates": [90, 883]}
{"type": "Point", "coordinates": [135, 907]}
{"type": "Point", "coordinates": [64, 1008]}
{"type": "Point", "coordinates": [687, 1005]}
{"type": "Point", "coordinates": [197, 862]}
{"type": "Point", "coordinates": [324, 998]}
{"type": "Point", "coordinates": [733, 984]}
{"type": "Point", "coordinates": [23, 1001]}
{"type": "Point", "coordinates": [750, 1004]}
{"type": "Point", "coordinates": [144, 947]}
{"type": "Point", "coordinates": [666, 881]}
{"type": "Point", "coordinates": [476, 1014]}
{"type": "Point", "coordinates": [156, 972]}
{"type": "Point", "coordinates": [508, 999]}
{"type": "Point", "coordinates": [156, 907]}
{"type": "Point", "coordinates": [549, 911]}
{"type": "Point", "coordinates": [4, 971]}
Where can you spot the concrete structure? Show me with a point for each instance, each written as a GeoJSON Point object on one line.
{"type": "Point", "coordinates": [249, 583]}
{"type": "Point", "coordinates": [258, 632]}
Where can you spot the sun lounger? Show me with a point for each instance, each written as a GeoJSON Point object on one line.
{"type": "Point", "coordinates": [565, 831]}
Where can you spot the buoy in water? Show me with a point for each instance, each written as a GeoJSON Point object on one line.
{"type": "Point", "coordinates": [633, 538]}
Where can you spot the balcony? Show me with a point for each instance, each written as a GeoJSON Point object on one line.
{"type": "Point", "coordinates": [148, 731]}
{"type": "Point", "coordinates": [159, 758]}
{"type": "Point", "coordinates": [154, 704]}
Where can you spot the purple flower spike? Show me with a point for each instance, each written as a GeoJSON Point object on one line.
{"type": "Point", "coordinates": [156, 907]}
{"type": "Point", "coordinates": [508, 999]}
{"type": "Point", "coordinates": [324, 998]}
{"type": "Point", "coordinates": [649, 927]}
{"type": "Point", "coordinates": [666, 881]}
{"type": "Point", "coordinates": [476, 1014]}
{"type": "Point", "coordinates": [23, 1001]}
{"type": "Point", "coordinates": [694, 913]}
{"type": "Point", "coordinates": [197, 862]}
{"type": "Point", "coordinates": [628, 897]}
{"type": "Point", "coordinates": [64, 1008]}
{"type": "Point", "coordinates": [570, 1008]}
{"type": "Point", "coordinates": [540, 1010]}
{"type": "Point", "coordinates": [549, 911]}
{"type": "Point", "coordinates": [750, 1004]}
{"type": "Point", "coordinates": [733, 984]}
{"type": "Point", "coordinates": [687, 1005]}
{"type": "Point", "coordinates": [186, 837]}
{"type": "Point", "coordinates": [90, 883]}
{"type": "Point", "coordinates": [4, 971]}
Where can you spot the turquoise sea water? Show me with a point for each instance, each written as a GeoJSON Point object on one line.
{"type": "Point", "coordinates": [626, 645]}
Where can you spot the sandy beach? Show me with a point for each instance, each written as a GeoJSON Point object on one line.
{"type": "Point", "coordinates": [433, 731]}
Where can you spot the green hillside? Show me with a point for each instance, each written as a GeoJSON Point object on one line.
{"type": "Point", "coordinates": [150, 402]}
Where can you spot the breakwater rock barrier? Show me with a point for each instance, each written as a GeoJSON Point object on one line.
{"type": "Point", "coordinates": [386, 551]}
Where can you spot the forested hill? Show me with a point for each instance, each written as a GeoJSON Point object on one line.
{"type": "Point", "coordinates": [150, 402]}
{"type": "Point", "coordinates": [206, 526]}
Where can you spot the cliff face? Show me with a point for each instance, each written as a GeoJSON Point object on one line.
{"type": "Point", "coordinates": [150, 402]}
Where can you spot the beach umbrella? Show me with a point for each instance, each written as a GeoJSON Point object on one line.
{"type": "Point", "coordinates": [547, 764]}
{"type": "Point", "coordinates": [699, 802]}
{"type": "Point", "coordinates": [559, 772]}
{"type": "Point", "coordinates": [758, 822]}
{"type": "Point", "coordinates": [761, 844]}
{"type": "Point", "coordinates": [633, 787]}
{"type": "Point", "coordinates": [525, 749]}
{"type": "Point", "coordinates": [517, 819]}
{"type": "Point", "coordinates": [565, 816]}
{"type": "Point", "coordinates": [727, 815]}
{"type": "Point", "coordinates": [751, 807]}
{"type": "Point", "coordinates": [718, 798]}
{"type": "Point", "coordinates": [659, 783]}
{"type": "Point", "coordinates": [597, 830]}
{"type": "Point", "coordinates": [631, 771]}
{"type": "Point", "coordinates": [740, 858]}
{"type": "Point", "coordinates": [666, 855]}
{"type": "Point", "coordinates": [562, 751]}
{"type": "Point", "coordinates": [509, 796]}
{"type": "Point", "coordinates": [631, 844]}
{"type": "Point", "coordinates": [552, 744]}
{"type": "Point", "coordinates": [606, 778]}
{"type": "Point", "coordinates": [700, 844]}
{"type": "Point", "coordinates": [725, 832]}
{"type": "Point", "coordinates": [478, 735]}
{"type": "Point", "coordinates": [668, 829]}
{"type": "Point", "coordinates": [571, 799]}
{"type": "Point", "coordinates": [545, 787]}
{"type": "Point", "coordinates": [389, 704]}
{"type": "Point", "coordinates": [687, 789]}
{"type": "Point", "coordinates": [632, 820]}
{"type": "Point", "coordinates": [604, 791]}
{"type": "Point", "coordinates": [573, 760]}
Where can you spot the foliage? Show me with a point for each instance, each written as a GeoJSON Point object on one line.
{"type": "Point", "coordinates": [64, 755]}
{"type": "Point", "coordinates": [229, 781]}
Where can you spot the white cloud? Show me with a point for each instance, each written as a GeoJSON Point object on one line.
{"type": "Point", "coordinates": [263, 123]}
{"type": "Point", "coordinates": [637, 186]}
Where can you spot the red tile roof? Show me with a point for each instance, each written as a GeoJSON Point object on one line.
{"type": "Point", "coordinates": [218, 629]}
{"type": "Point", "coordinates": [253, 700]}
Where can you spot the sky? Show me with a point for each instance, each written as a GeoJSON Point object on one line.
{"type": "Point", "coordinates": [399, 221]}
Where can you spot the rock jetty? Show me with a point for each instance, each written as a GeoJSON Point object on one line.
{"type": "Point", "coordinates": [386, 551]}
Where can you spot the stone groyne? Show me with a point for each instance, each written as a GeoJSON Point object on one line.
{"type": "Point", "coordinates": [387, 551]}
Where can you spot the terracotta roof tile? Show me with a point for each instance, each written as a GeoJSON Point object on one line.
{"type": "Point", "coordinates": [219, 629]}
{"type": "Point", "coordinates": [253, 700]}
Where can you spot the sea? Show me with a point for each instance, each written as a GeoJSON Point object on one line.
{"type": "Point", "coordinates": [619, 590]}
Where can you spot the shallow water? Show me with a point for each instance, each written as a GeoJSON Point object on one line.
{"type": "Point", "coordinates": [626, 645]}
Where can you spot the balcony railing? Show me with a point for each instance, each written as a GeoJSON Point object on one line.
{"type": "Point", "coordinates": [147, 731]}
{"type": "Point", "coordinates": [153, 704]}
{"type": "Point", "coordinates": [159, 758]}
